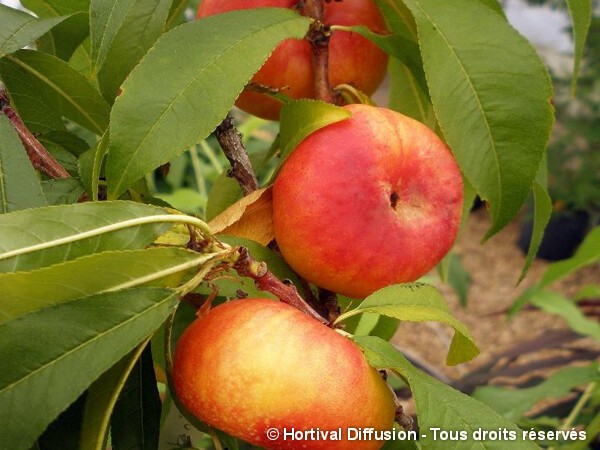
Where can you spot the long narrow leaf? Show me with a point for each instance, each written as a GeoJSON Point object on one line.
{"type": "Point", "coordinates": [24, 292]}
{"type": "Point", "coordinates": [101, 399]}
{"type": "Point", "coordinates": [51, 356]}
{"type": "Point", "coordinates": [207, 63]}
{"type": "Point", "coordinates": [440, 407]}
{"type": "Point", "coordinates": [491, 94]}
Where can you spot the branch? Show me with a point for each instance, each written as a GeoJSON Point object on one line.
{"type": "Point", "coordinates": [319, 35]}
{"type": "Point", "coordinates": [267, 281]}
{"type": "Point", "coordinates": [330, 303]}
{"type": "Point", "coordinates": [230, 141]}
{"type": "Point", "coordinates": [37, 153]}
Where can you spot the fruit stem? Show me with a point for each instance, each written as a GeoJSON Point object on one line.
{"type": "Point", "coordinates": [265, 280]}
{"type": "Point", "coordinates": [40, 158]}
{"type": "Point", "coordinates": [230, 141]}
{"type": "Point", "coordinates": [319, 35]}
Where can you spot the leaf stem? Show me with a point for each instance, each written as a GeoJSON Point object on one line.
{"type": "Point", "coordinates": [40, 158]}
{"type": "Point", "coordinates": [163, 218]}
{"type": "Point", "coordinates": [579, 406]}
{"type": "Point", "coordinates": [572, 417]}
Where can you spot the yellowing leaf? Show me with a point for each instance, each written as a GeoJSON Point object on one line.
{"type": "Point", "coordinates": [250, 218]}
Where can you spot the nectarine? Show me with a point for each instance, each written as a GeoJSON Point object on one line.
{"type": "Point", "coordinates": [352, 59]}
{"type": "Point", "coordinates": [254, 365]}
{"type": "Point", "coordinates": [367, 202]}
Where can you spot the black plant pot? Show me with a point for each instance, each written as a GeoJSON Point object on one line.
{"type": "Point", "coordinates": [564, 233]}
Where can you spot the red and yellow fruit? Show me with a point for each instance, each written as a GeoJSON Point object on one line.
{"type": "Point", "coordinates": [352, 59]}
{"type": "Point", "coordinates": [255, 364]}
{"type": "Point", "coordinates": [367, 202]}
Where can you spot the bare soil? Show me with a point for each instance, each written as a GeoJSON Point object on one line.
{"type": "Point", "coordinates": [495, 267]}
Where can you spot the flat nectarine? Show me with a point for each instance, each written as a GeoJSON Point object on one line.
{"type": "Point", "coordinates": [352, 59]}
{"type": "Point", "coordinates": [253, 365]}
{"type": "Point", "coordinates": [367, 202]}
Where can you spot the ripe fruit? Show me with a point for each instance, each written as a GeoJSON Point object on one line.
{"type": "Point", "coordinates": [255, 364]}
{"type": "Point", "coordinates": [368, 202]}
{"type": "Point", "coordinates": [352, 59]}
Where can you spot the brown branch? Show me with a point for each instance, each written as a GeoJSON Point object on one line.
{"type": "Point", "coordinates": [231, 142]}
{"type": "Point", "coordinates": [330, 303]}
{"type": "Point", "coordinates": [319, 35]}
{"type": "Point", "coordinates": [37, 153]}
{"type": "Point", "coordinates": [267, 281]}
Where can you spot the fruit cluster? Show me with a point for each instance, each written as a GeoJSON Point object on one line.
{"type": "Point", "coordinates": [352, 59]}
{"type": "Point", "coordinates": [359, 205]}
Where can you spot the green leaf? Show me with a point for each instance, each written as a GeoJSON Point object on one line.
{"type": "Point", "coordinates": [587, 253]}
{"type": "Point", "coordinates": [402, 47]}
{"type": "Point", "coordinates": [90, 165]}
{"type": "Point", "coordinates": [122, 45]}
{"type": "Point", "coordinates": [224, 192]}
{"type": "Point", "coordinates": [106, 19]}
{"type": "Point", "coordinates": [442, 407]}
{"type": "Point", "coordinates": [376, 325]}
{"type": "Point", "coordinates": [456, 276]}
{"type": "Point", "coordinates": [514, 403]}
{"type": "Point", "coordinates": [19, 28]}
{"type": "Point", "coordinates": [555, 303]}
{"type": "Point", "coordinates": [398, 18]}
{"type": "Point", "coordinates": [59, 87]}
{"type": "Point", "coordinates": [24, 292]}
{"type": "Point", "coordinates": [64, 38]}
{"type": "Point", "coordinates": [581, 17]}
{"type": "Point", "coordinates": [63, 191]}
{"type": "Point", "coordinates": [135, 422]}
{"type": "Point", "coordinates": [81, 61]}
{"type": "Point", "coordinates": [68, 141]}
{"type": "Point", "coordinates": [588, 291]}
{"type": "Point", "coordinates": [153, 121]}
{"type": "Point", "coordinates": [38, 114]}
{"type": "Point", "coordinates": [407, 96]}
{"type": "Point", "coordinates": [176, 13]}
{"type": "Point", "coordinates": [19, 186]}
{"type": "Point", "coordinates": [64, 158]}
{"type": "Point", "coordinates": [491, 95]}
{"type": "Point", "coordinates": [541, 216]}
{"type": "Point", "coordinates": [41, 237]}
{"type": "Point", "coordinates": [101, 398]}
{"type": "Point", "coordinates": [67, 347]}
{"type": "Point", "coordinates": [494, 5]}
{"type": "Point", "coordinates": [301, 118]}
{"type": "Point", "coordinates": [416, 302]}
{"type": "Point", "coordinates": [51, 8]}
